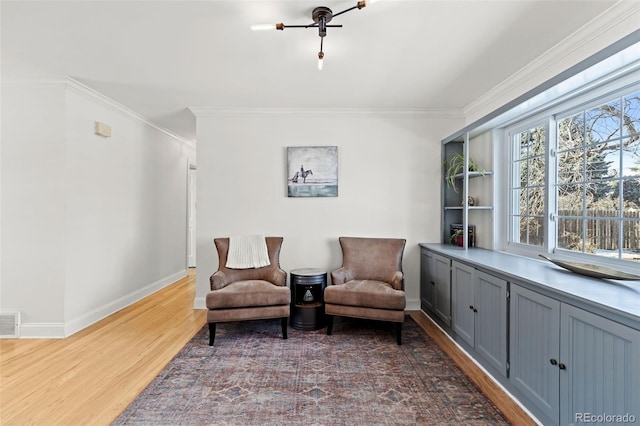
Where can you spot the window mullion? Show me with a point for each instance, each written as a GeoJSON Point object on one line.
{"type": "Point", "coordinates": [584, 180]}
{"type": "Point", "coordinates": [551, 177]}
{"type": "Point", "coordinates": [621, 181]}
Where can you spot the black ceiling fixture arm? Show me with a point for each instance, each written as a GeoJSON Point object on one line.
{"type": "Point", "coordinates": [359, 5]}
{"type": "Point", "coordinates": [306, 26]}
{"type": "Point", "coordinates": [345, 11]}
{"type": "Point", "coordinates": [321, 17]}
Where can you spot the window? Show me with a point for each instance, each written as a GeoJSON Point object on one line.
{"type": "Point", "coordinates": [598, 182]}
{"type": "Point", "coordinates": [528, 192]}
{"type": "Point", "coordinates": [576, 188]}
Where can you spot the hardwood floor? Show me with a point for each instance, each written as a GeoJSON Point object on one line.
{"type": "Point", "coordinates": [512, 411]}
{"type": "Point", "coordinates": [91, 376]}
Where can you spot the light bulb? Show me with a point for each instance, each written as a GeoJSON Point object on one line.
{"type": "Point", "coordinates": [264, 27]}
{"type": "Point", "coordinates": [365, 3]}
{"type": "Point", "coordinates": [320, 60]}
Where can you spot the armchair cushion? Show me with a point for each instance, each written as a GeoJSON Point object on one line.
{"type": "Point", "coordinates": [365, 293]}
{"type": "Point", "coordinates": [247, 294]}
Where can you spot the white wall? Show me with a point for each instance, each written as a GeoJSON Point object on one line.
{"type": "Point", "coordinates": [33, 204]}
{"type": "Point", "coordinates": [389, 174]}
{"type": "Point", "coordinates": [89, 224]}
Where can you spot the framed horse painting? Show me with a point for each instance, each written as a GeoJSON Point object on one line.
{"type": "Point", "coordinates": [312, 171]}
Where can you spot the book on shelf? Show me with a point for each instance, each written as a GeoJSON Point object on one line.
{"type": "Point", "coordinates": [457, 228]}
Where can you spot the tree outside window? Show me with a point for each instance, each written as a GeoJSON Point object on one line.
{"type": "Point", "coordinates": [598, 179]}
{"type": "Point", "coordinates": [594, 195]}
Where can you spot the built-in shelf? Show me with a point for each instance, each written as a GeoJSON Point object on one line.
{"type": "Point", "coordinates": [473, 175]}
{"type": "Point", "coordinates": [454, 209]}
{"type": "Point", "coordinates": [470, 208]}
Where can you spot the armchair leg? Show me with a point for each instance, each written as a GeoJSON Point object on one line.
{"type": "Point", "coordinates": [329, 324]}
{"type": "Point", "coordinates": [212, 333]}
{"type": "Point", "coordinates": [399, 332]}
{"type": "Point", "coordinates": [283, 322]}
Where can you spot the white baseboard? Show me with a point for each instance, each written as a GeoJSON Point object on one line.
{"type": "Point", "coordinates": [38, 330]}
{"type": "Point", "coordinates": [96, 315]}
{"type": "Point", "coordinates": [200, 303]}
{"type": "Point", "coordinates": [62, 330]}
{"type": "Point", "coordinates": [412, 305]}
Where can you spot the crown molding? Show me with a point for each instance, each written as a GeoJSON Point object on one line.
{"type": "Point", "coordinates": [529, 76]}
{"type": "Point", "coordinates": [92, 94]}
{"type": "Point", "coordinates": [68, 83]}
{"type": "Point", "coordinates": [453, 113]}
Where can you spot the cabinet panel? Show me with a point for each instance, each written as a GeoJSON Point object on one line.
{"type": "Point", "coordinates": [442, 290]}
{"type": "Point", "coordinates": [435, 285]}
{"type": "Point", "coordinates": [479, 313]}
{"type": "Point", "coordinates": [462, 290]}
{"type": "Point", "coordinates": [491, 319]}
{"type": "Point", "coordinates": [602, 374]}
{"type": "Point", "coordinates": [427, 281]}
{"type": "Point", "coordinates": [535, 341]}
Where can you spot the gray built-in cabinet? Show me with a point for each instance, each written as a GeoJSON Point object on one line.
{"type": "Point", "coordinates": [566, 346]}
{"type": "Point", "coordinates": [534, 339]}
{"type": "Point", "coordinates": [479, 313]}
{"type": "Point", "coordinates": [435, 285]}
{"type": "Point", "coordinates": [604, 372]}
{"type": "Point", "coordinates": [568, 361]}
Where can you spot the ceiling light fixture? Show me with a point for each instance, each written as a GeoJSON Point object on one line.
{"type": "Point", "coordinates": [321, 17]}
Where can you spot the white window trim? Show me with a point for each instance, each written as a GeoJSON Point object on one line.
{"type": "Point", "coordinates": [580, 100]}
{"type": "Point", "coordinates": [510, 132]}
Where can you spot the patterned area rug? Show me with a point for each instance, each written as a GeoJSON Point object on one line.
{"type": "Point", "coordinates": [357, 376]}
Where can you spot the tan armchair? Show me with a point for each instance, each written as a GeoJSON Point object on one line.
{"type": "Point", "coordinates": [248, 294]}
{"type": "Point", "coordinates": [370, 283]}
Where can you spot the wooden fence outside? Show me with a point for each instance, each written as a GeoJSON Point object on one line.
{"type": "Point", "coordinates": [602, 233]}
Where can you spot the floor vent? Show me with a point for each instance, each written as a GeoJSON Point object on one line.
{"type": "Point", "coordinates": [9, 324]}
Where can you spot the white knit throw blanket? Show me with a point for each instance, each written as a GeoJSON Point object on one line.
{"type": "Point", "coordinates": [247, 251]}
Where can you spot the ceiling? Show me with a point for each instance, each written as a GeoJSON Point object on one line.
{"type": "Point", "coordinates": [160, 57]}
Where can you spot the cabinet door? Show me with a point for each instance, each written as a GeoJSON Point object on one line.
{"type": "Point", "coordinates": [462, 304]}
{"type": "Point", "coordinates": [427, 281]}
{"type": "Point", "coordinates": [534, 349]}
{"type": "Point", "coordinates": [601, 368]}
{"type": "Point", "coordinates": [442, 291]}
{"type": "Point", "coordinates": [491, 320]}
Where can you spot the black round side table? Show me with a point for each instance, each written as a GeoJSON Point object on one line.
{"type": "Point", "coordinates": [307, 303]}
